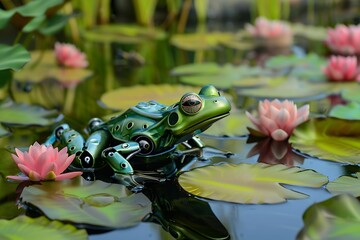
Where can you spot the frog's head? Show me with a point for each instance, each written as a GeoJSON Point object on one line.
{"type": "Point", "coordinates": [196, 112]}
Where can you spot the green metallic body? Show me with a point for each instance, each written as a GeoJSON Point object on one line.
{"type": "Point", "coordinates": [145, 130]}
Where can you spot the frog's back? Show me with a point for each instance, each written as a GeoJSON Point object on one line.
{"type": "Point", "coordinates": [136, 119]}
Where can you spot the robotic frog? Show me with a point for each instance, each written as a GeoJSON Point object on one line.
{"type": "Point", "coordinates": [146, 130]}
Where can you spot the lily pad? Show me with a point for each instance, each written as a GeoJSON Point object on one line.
{"type": "Point", "coordinates": [121, 33]}
{"type": "Point", "coordinates": [335, 218]}
{"type": "Point", "coordinates": [345, 185]}
{"type": "Point", "coordinates": [3, 131]}
{"type": "Point", "coordinates": [47, 68]}
{"type": "Point", "coordinates": [249, 183]}
{"type": "Point", "coordinates": [94, 203]}
{"type": "Point", "coordinates": [39, 228]}
{"type": "Point", "coordinates": [292, 89]}
{"type": "Point", "coordinates": [200, 41]}
{"type": "Point", "coordinates": [23, 114]}
{"type": "Point", "coordinates": [47, 26]}
{"type": "Point", "coordinates": [307, 67]}
{"type": "Point", "coordinates": [233, 125]}
{"type": "Point", "coordinates": [329, 139]}
{"type": "Point", "coordinates": [34, 8]}
{"type": "Point", "coordinates": [351, 94]}
{"type": "Point", "coordinates": [13, 57]}
{"type": "Point", "coordinates": [314, 33]}
{"type": "Point", "coordinates": [220, 76]}
{"type": "Point", "coordinates": [126, 97]}
{"type": "Point", "coordinates": [350, 111]}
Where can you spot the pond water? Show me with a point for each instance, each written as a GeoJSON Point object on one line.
{"type": "Point", "coordinates": [175, 214]}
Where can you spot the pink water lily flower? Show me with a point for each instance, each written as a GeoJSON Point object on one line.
{"type": "Point", "coordinates": [269, 33]}
{"type": "Point", "coordinates": [278, 119]}
{"type": "Point", "coordinates": [344, 39]}
{"type": "Point", "coordinates": [43, 163]}
{"type": "Point", "coordinates": [67, 55]}
{"type": "Point", "coordinates": [268, 29]}
{"type": "Point", "coordinates": [341, 68]}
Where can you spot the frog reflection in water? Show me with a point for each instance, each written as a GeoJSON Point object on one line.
{"type": "Point", "coordinates": [147, 130]}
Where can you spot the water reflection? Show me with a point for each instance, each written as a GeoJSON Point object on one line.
{"type": "Point", "coordinates": [183, 216]}
{"type": "Point", "coordinates": [275, 152]}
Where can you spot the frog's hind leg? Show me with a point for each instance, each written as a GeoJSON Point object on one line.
{"type": "Point", "coordinates": [67, 137]}
{"type": "Point", "coordinates": [93, 147]}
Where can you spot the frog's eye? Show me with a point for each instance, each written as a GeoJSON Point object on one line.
{"type": "Point", "coordinates": [190, 103]}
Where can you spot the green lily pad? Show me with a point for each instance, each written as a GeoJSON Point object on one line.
{"type": "Point", "coordinates": [3, 131]}
{"type": "Point", "coordinates": [39, 228]}
{"type": "Point", "coordinates": [47, 26]}
{"type": "Point", "coordinates": [233, 125]}
{"type": "Point", "coordinates": [329, 139]}
{"type": "Point", "coordinates": [335, 218]}
{"type": "Point", "coordinates": [249, 183]}
{"type": "Point", "coordinates": [94, 203]}
{"type": "Point", "coordinates": [291, 89]}
{"type": "Point", "coordinates": [126, 97]}
{"type": "Point", "coordinates": [307, 67]}
{"type": "Point", "coordinates": [13, 57]}
{"type": "Point", "coordinates": [200, 41]}
{"type": "Point", "coordinates": [351, 94]}
{"type": "Point", "coordinates": [223, 77]}
{"type": "Point", "coordinates": [314, 33]}
{"type": "Point", "coordinates": [34, 9]}
{"type": "Point", "coordinates": [350, 111]}
{"type": "Point", "coordinates": [23, 114]}
{"type": "Point", "coordinates": [47, 68]}
{"type": "Point", "coordinates": [345, 185]}
{"type": "Point", "coordinates": [122, 33]}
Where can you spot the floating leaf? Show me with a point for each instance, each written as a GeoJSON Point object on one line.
{"type": "Point", "coordinates": [345, 184]}
{"type": "Point", "coordinates": [249, 183]}
{"type": "Point", "coordinates": [351, 94]}
{"type": "Point", "coordinates": [54, 24]}
{"type": "Point", "coordinates": [350, 111]}
{"type": "Point", "coordinates": [196, 68]}
{"type": "Point", "coordinates": [129, 34]}
{"type": "Point", "coordinates": [280, 62]}
{"type": "Point", "coordinates": [39, 228]}
{"type": "Point", "coordinates": [307, 67]}
{"type": "Point", "coordinates": [35, 8]}
{"type": "Point", "coordinates": [47, 68]}
{"type": "Point", "coordinates": [126, 97]}
{"type": "Point", "coordinates": [13, 57]}
{"type": "Point", "coordinates": [314, 33]}
{"type": "Point", "coordinates": [200, 41]}
{"type": "Point", "coordinates": [3, 131]}
{"type": "Point", "coordinates": [220, 76]}
{"type": "Point", "coordinates": [23, 114]}
{"type": "Point", "coordinates": [95, 203]}
{"type": "Point", "coordinates": [233, 125]}
{"type": "Point", "coordinates": [330, 139]}
{"type": "Point", "coordinates": [335, 218]}
{"type": "Point", "coordinates": [292, 89]}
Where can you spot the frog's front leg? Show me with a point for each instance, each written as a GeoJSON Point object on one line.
{"type": "Point", "coordinates": [196, 142]}
{"type": "Point", "coordinates": [115, 156]}
{"type": "Point", "coordinates": [66, 137]}
{"type": "Point", "coordinates": [193, 146]}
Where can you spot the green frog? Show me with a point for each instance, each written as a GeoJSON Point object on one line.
{"type": "Point", "coordinates": [147, 130]}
